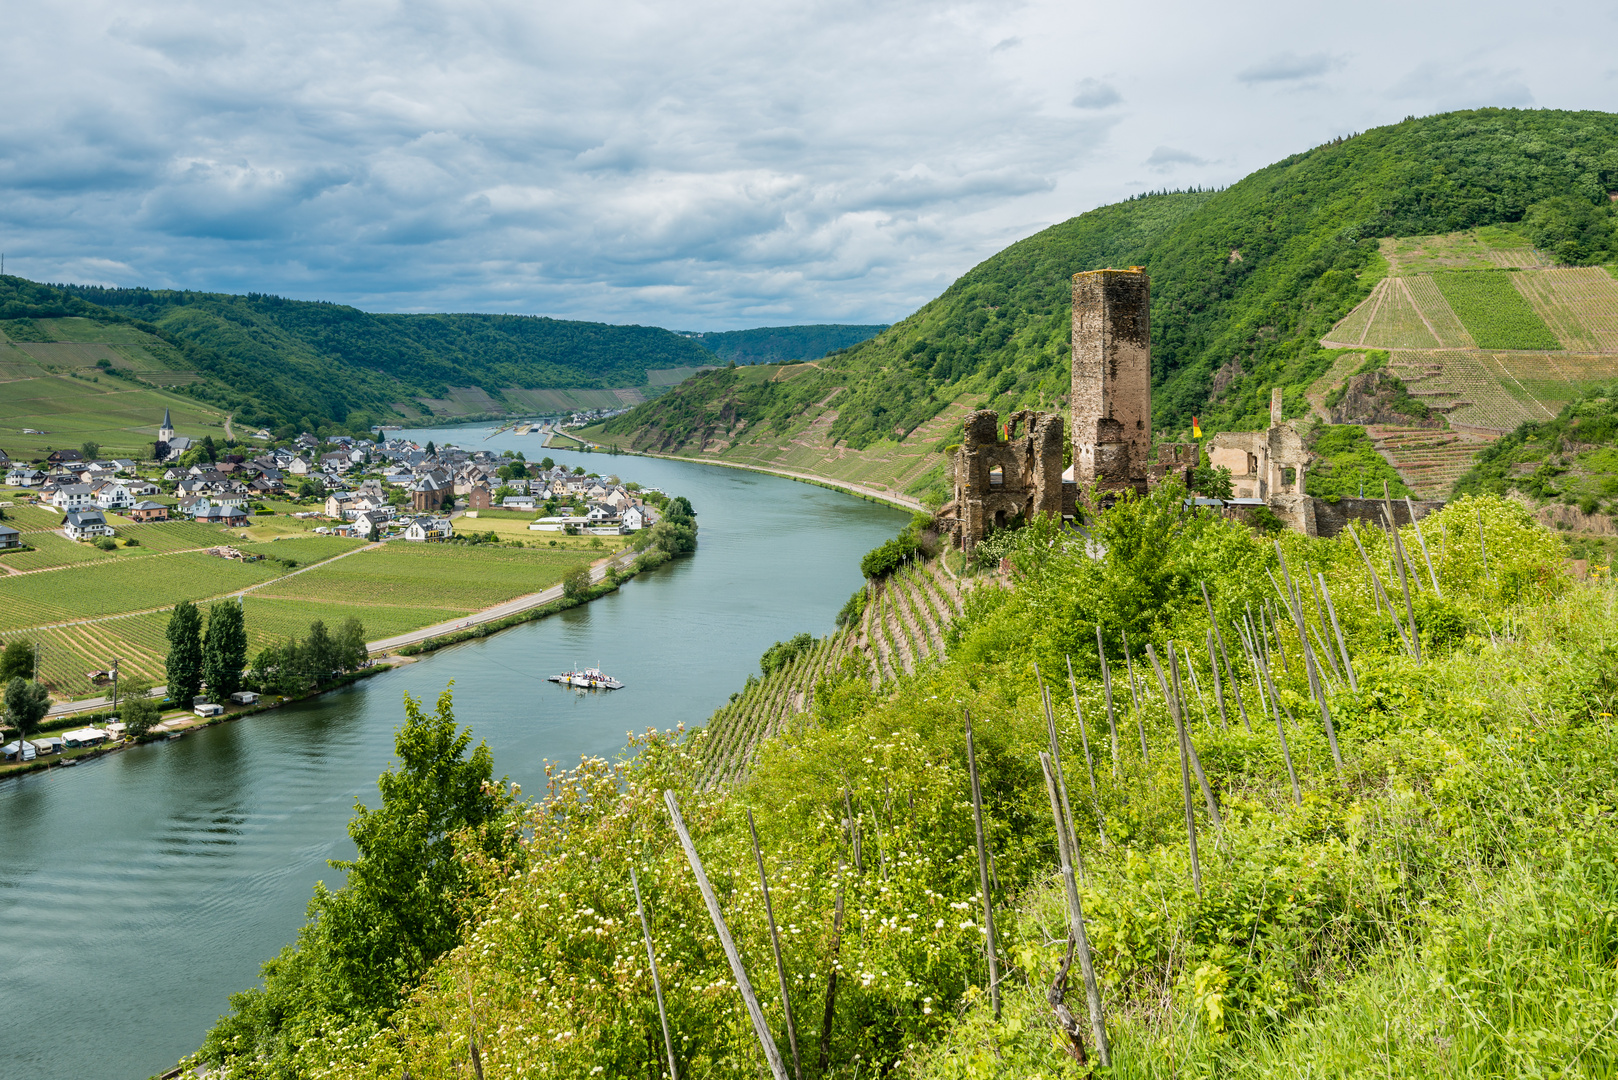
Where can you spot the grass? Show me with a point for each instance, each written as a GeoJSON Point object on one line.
{"type": "Point", "coordinates": [119, 413]}
{"type": "Point", "coordinates": [122, 585]}
{"type": "Point", "coordinates": [271, 619]}
{"type": "Point", "coordinates": [440, 576]}
{"type": "Point", "coordinates": [1494, 312]}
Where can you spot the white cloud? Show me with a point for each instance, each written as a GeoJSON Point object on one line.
{"type": "Point", "coordinates": [703, 164]}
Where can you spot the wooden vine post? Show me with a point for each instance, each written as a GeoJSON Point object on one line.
{"type": "Point", "coordinates": [1078, 936]}
{"type": "Point", "coordinates": [761, 1027]}
{"type": "Point", "coordinates": [1134, 697]}
{"type": "Point", "coordinates": [1230, 672]}
{"type": "Point", "coordinates": [983, 869]}
{"type": "Point", "coordinates": [1185, 788]}
{"type": "Point", "coordinates": [1106, 689]}
{"type": "Point", "coordinates": [657, 986]}
{"type": "Point", "coordinates": [775, 942]}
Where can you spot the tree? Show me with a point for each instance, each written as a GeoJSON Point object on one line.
{"type": "Point", "coordinates": [402, 904]}
{"type": "Point", "coordinates": [26, 705]}
{"type": "Point", "coordinates": [224, 651]}
{"type": "Point", "coordinates": [429, 446]}
{"type": "Point", "coordinates": [184, 664]}
{"type": "Point", "coordinates": [17, 662]}
{"type": "Point", "coordinates": [349, 645]}
{"type": "Point", "coordinates": [90, 449]}
{"type": "Point", "coordinates": [578, 470]}
{"type": "Point", "coordinates": [577, 582]}
{"type": "Point", "coordinates": [140, 714]}
{"type": "Point", "coordinates": [209, 450]}
{"type": "Point", "coordinates": [375, 534]}
{"type": "Point", "coordinates": [547, 463]}
{"type": "Point", "coordinates": [319, 653]}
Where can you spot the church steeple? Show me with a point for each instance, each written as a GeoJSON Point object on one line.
{"type": "Point", "coordinates": [166, 432]}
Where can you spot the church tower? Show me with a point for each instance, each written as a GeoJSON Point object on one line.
{"type": "Point", "coordinates": [166, 432]}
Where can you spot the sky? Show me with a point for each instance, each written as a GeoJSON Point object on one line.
{"type": "Point", "coordinates": [695, 165]}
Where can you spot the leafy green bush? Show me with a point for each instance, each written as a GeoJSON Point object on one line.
{"type": "Point", "coordinates": [782, 653]}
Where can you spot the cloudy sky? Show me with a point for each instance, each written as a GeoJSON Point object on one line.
{"type": "Point", "coordinates": [698, 165]}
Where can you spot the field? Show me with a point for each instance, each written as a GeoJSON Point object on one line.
{"type": "Point", "coordinates": [70, 405]}
{"type": "Point", "coordinates": [452, 578]}
{"type": "Point", "coordinates": [1494, 312]}
{"type": "Point", "coordinates": [1579, 303]}
{"type": "Point", "coordinates": [392, 589]}
{"type": "Point", "coordinates": [121, 585]}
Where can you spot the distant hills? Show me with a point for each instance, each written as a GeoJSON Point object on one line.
{"type": "Point", "coordinates": [279, 363]}
{"type": "Point", "coordinates": [783, 344]}
{"type": "Point", "coordinates": [1245, 284]}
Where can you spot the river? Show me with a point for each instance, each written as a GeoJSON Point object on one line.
{"type": "Point", "coordinates": [139, 890]}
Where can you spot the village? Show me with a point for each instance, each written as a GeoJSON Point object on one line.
{"type": "Point", "coordinates": [391, 489]}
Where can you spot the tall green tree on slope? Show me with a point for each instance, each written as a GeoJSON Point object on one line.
{"type": "Point", "coordinates": [184, 665]}
{"type": "Point", "coordinates": [224, 651]}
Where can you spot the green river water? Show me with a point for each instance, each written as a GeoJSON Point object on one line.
{"type": "Point", "coordinates": [140, 889]}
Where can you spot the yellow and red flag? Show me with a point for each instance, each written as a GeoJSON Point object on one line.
{"type": "Point", "coordinates": [1196, 431]}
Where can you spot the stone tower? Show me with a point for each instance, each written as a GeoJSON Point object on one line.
{"type": "Point", "coordinates": [1112, 377]}
{"type": "Point", "coordinates": [166, 432]}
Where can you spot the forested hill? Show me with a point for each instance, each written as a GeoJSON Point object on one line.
{"type": "Point", "coordinates": [338, 350]}
{"type": "Point", "coordinates": [1244, 282]}
{"type": "Point", "coordinates": [784, 344]}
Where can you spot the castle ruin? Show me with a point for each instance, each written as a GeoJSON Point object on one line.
{"type": "Point", "coordinates": [1000, 476]}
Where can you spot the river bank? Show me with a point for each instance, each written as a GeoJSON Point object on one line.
{"type": "Point", "coordinates": [859, 491]}
{"type": "Point", "coordinates": [192, 723]}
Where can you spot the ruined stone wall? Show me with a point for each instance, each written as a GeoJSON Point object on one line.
{"type": "Point", "coordinates": [1332, 517]}
{"type": "Point", "coordinates": [1112, 376]}
{"type": "Point", "coordinates": [997, 480]}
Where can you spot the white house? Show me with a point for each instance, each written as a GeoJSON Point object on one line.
{"type": "Point", "coordinates": [429, 528]}
{"type": "Point", "coordinates": [112, 495]}
{"type": "Point", "coordinates": [85, 524]}
{"type": "Point", "coordinates": [298, 467]}
{"type": "Point", "coordinates": [24, 476]}
{"type": "Point", "coordinates": [634, 519]}
{"type": "Point", "coordinates": [517, 502]}
{"type": "Point", "coordinates": [72, 496]}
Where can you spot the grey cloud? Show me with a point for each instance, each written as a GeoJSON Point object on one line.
{"type": "Point", "coordinates": [1095, 94]}
{"type": "Point", "coordinates": [1289, 67]}
{"type": "Point", "coordinates": [700, 163]}
{"type": "Point", "coordinates": [1446, 87]}
{"type": "Point", "coordinates": [1167, 158]}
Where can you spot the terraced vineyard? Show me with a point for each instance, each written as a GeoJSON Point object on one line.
{"type": "Point", "coordinates": [903, 628]}
{"type": "Point", "coordinates": [1485, 331]}
{"type": "Point", "coordinates": [1429, 461]}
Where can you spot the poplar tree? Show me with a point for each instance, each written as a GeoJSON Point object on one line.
{"type": "Point", "coordinates": [184, 665]}
{"type": "Point", "coordinates": [224, 652]}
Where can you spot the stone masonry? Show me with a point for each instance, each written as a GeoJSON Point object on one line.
{"type": "Point", "coordinates": [1112, 378]}
{"type": "Point", "coordinates": [1000, 478]}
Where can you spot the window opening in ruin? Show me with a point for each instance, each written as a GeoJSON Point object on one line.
{"type": "Point", "coordinates": [997, 475]}
{"type": "Point", "coordinates": [1289, 476]}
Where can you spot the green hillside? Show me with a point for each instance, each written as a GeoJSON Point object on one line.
{"type": "Point", "coordinates": [1245, 282]}
{"type": "Point", "coordinates": [784, 344]}
{"type": "Point", "coordinates": [1571, 460]}
{"type": "Point", "coordinates": [295, 361]}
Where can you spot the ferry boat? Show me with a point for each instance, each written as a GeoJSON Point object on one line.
{"type": "Point", "coordinates": [588, 679]}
